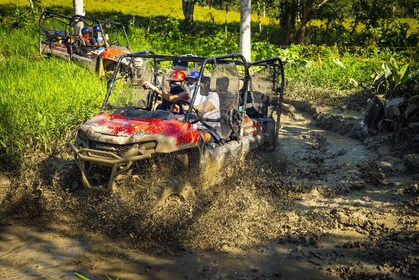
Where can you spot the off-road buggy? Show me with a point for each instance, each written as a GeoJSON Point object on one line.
{"type": "Point", "coordinates": [129, 132]}
{"type": "Point", "coordinates": [60, 36]}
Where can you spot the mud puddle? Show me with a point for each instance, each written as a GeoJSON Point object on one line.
{"type": "Point", "coordinates": [326, 205]}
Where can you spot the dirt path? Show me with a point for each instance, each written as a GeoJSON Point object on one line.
{"type": "Point", "coordinates": [324, 206]}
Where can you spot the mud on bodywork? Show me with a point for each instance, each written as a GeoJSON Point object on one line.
{"type": "Point", "coordinates": [129, 129]}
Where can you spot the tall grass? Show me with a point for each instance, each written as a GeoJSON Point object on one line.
{"type": "Point", "coordinates": [41, 100]}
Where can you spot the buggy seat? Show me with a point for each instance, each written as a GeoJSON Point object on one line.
{"type": "Point", "coordinates": [228, 102]}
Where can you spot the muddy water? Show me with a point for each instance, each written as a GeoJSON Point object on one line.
{"type": "Point", "coordinates": [324, 206]}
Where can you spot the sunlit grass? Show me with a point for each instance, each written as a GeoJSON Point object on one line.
{"type": "Point", "coordinates": [413, 24]}
{"type": "Point", "coordinates": [41, 100]}
{"type": "Point", "coordinates": [145, 9]}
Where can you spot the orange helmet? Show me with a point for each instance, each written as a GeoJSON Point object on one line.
{"type": "Point", "coordinates": [177, 76]}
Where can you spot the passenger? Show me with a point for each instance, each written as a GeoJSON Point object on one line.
{"type": "Point", "coordinates": [97, 39]}
{"type": "Point", "coordinates": [58, 35]}
{"type": "Point", "coordinates": [85, 37]}
{"type": "Point", "coordinates": [177, 91]}
{"type": "Point", "coordinates": [207, 105]}
{"type": "Point", "coordinates": [191, 80]}
{"type": "Point", "coordinates": [209, 126]}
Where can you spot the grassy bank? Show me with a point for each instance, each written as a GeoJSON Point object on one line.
{"type": "Point", "coordinates": [41, 100]}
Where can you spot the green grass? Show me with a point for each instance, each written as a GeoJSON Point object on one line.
{"type": "Point", "coordinates": [143, 9]}
{"type": "Point", "coordinates": [413, 24]}
{"type": "Point", "coordinates": [41, 100]}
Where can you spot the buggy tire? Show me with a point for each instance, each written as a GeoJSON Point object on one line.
{"type": "Point", "coordinates": [69, 176]}
{"type": "Point", "coordinates": [172, 190]}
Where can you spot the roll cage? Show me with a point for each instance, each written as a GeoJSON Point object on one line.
{"type": "Point", "coordinates": [253, 89]}
{"type": "Point", "coordinates": [70, 27]}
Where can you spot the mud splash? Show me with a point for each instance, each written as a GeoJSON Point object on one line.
{"type": "Point", "coordinates": [324, 205]}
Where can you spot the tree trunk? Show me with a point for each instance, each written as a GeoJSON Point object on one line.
{"type": "Point", "coordinates": [304, 18]}
{"type": "Point", "coordinates": [288, 14]}
{"type": "Point", "coordinates": [188, 7]}
{"type": "Point", "coordinates": [78, 7]}
{"type": "Point", "coordinates": [226, 21]}
{"type": "Point", "coordinates": [31, 2]}
{"type": "Point", "coordinates": [245, 29]}
{"type": "Point", "coordinates": [308, 7]}
{"type": "Point", "coordinates": [78, 10]}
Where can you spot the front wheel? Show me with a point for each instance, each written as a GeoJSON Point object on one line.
{"type": "Point", "coordinates": [172, 191]}
{"type": "Point", "coordinates": [69, 176]}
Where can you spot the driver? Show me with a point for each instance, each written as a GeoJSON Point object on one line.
{"type": "Point", "coordinates": [177, 91]}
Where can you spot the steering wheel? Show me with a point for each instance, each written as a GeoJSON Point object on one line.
{"type": "Point", "coordinates": [181, 104]}
{"type": "Point", "coordinates": [182, 109]}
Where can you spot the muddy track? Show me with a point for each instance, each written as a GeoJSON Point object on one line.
{"type": "Point", "coordinates": [330, 203]}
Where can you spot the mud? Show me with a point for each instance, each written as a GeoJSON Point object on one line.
{"type": "Point", "coordinates": [331, 202]}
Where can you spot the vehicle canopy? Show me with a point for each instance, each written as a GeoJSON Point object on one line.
{"type": "Point", "coordinates": [115, 30]}
{"type": "Point", "coordinates": [244, 89]}
{"type": "Point", "coordinates": [52, 25]}
{"type": "Point", "coordinates": [57, 28]}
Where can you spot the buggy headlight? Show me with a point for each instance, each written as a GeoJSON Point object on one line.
{"type": "Point", "coordinates": [81, 139]}
{"type": "Point", "coordinates": [82, 135]}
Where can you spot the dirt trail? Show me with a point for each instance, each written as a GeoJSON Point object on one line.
{"type": "Point", "coordinates": [324, 206]}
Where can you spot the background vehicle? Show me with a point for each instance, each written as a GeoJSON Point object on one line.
{"type": "Point", "coordinates": [60, 36]}
{"type": "Point", "coordinates": [129, 131]}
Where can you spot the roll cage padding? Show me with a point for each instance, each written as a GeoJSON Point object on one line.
{"type": "Point", "coordinates": [205, 85]}
{"type": "Point", "coordinates": [259, 101]}
{"type": "Point", "coordinates": [227, 107]}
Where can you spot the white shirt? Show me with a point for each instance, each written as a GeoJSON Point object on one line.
{"type": "Point", "coordinates": [211, 115]}
{"type": "Point", "coordinates": [199, 99]}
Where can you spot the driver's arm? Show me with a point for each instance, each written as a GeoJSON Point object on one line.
{"type": "Point", "coordinates": [173, 97]}
{"type": "Point", "coordinates": [167, 95]}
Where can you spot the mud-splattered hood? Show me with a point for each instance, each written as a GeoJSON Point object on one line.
{"type": "Point", "coordinates": [116, 129]}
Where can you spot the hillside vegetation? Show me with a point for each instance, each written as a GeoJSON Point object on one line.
{"type": "Point", "coordinates": [163, 8]}
{"type": "Point", "coordinates": [43, 100]}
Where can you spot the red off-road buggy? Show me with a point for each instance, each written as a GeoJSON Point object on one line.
{"type": "Point", "coordinates": [61, 36]}
{"type": "Point", "coordinates": [129, 136]}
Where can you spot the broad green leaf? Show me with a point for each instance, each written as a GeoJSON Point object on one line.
{"type": "Point", "coordinates": [386, 70]}
{"type": "Point", "coordinates": [404, 74]}
{"type": "Point", "coordinates": [81, 276]}
{"type": "Point", "coordinates": [413, 124]}
{"type": "Point", "coordinates": [393, 63]}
